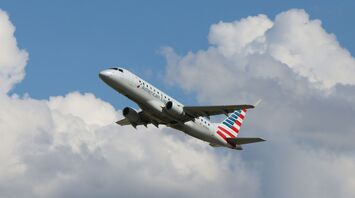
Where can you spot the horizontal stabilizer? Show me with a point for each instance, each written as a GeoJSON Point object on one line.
{"type": "Point", "coordinates": [244, 140]}
{"type": "Point", "coordinates": [215, 145]}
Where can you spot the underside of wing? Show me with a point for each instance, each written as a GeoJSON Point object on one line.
{"type": "Point", "coordinates": [143, 119]}
{"type": "Point", "coordinates": [197, 111]}
{"type": "Point", "coordinates": [244, 140]}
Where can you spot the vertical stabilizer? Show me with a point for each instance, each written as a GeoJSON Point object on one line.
{"type": "Point", "coordinates": [230, 127]}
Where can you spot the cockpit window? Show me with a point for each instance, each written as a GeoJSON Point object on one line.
{"type": "Point", "coordinates": [115, 68]}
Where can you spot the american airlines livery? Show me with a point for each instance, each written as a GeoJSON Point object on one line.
{"type": "Point", "coordinates": [159, 108]}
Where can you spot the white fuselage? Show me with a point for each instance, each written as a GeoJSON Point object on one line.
{"type": "Point", "coordinates": [152, 101]}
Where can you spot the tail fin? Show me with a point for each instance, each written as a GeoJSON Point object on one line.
{"type": "Point", "coordinates": [230, 127]}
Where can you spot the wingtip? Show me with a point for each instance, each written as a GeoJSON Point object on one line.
{"type": "Point", "coordinates": [257, 103]}
{"type": "Point", "coordinates": [249, 106]}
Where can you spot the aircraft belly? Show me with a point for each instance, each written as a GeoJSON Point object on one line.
{"type": "Point", "coordinates": [194, 130]}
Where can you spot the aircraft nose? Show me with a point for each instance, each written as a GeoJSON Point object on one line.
{"type": "Point", "coordinates": [105, 74]}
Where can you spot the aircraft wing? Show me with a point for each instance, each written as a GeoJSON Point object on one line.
{"type": "Point", "coordinates": [197, 111]}
{"type": "Point", "coordinates": [144, 119]}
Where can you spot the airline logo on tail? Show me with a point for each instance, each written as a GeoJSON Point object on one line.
{"type": "Point", "coordinates": [230, 127]}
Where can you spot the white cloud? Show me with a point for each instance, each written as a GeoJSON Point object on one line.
{"type": "Point", "coordinates": [56, 152]}
{"type": "Point", "coordinates": [12, 59]}
{"type": "Point", "coordinates": [305, 80]}
{"type": "Point", "coordinates": [309, 50]}
{"type": "Point", "coordinates": [292, 40]}
{"type": "Point", "coordinates": [232, 38]}
{"type": "Point", "coordinates": [74, 105]}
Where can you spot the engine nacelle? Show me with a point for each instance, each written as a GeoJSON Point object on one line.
{"type": "Point", "coordinates": [174, 109]}
{"type": "Point", "coordinates": [131, 114]}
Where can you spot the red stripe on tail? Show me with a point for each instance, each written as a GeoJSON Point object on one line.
{"type": "Point", "coordinates": [227, 132]}
{"type": "Point", "coordinates": [221, 134]}
{"type": "Point", "coordinates": [235, 129]}
{"type": "Point", "coordinates": [223, 129]}
{"type": "Point", "coordinates": [238, 123]}
{"type": "Point", "coordinates": [241, 116]}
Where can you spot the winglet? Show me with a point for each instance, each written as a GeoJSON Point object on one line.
{"type": "Point", "coordinates": [257, 103]}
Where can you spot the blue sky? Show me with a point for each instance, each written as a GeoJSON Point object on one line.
{"type": "Point", "coordinates": [69, 42]}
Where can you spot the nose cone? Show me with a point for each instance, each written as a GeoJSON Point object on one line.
{"type": "Point", "coordinates": [105, 74]}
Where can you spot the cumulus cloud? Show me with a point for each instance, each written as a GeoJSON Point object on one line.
{"type": "Point", "coordinates": [292, 40]}
{"type": "Point", "coordinates": [69, 146]}
{"type": "Point", "coordinates": [303, 45]}
{"type": "Point", "coordinates": [305, 79]}
{"type": "Point", "coordinates": [50, 150]}
{"type": "Point", "coordinates": [12, 59]}
{"type": "Point", "coordinates": [232, 38]}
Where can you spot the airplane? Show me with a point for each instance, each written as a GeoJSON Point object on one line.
{"type": "Point", "coordinates": [158, 108]}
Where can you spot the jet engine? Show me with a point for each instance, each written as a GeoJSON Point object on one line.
{"type": "Point", "coordinates": [174, 109]}
{"type": "Point", "coordinates": [131, 114]}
